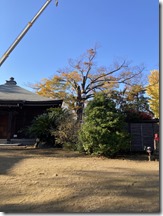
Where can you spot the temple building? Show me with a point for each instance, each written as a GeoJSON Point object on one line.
{"type": "Point", "coordinates": [18, 107]}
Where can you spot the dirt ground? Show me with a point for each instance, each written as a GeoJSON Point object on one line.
{"type": "Point", "coordinates": [51, 181]}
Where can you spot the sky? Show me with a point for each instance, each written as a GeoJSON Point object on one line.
{"type": "Point", "coordinates": [122, 29]}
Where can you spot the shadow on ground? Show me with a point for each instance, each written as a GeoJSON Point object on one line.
{"type": "Point", "coordinates": [109, 193]}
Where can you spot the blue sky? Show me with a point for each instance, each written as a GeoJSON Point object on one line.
{"type": "Point", "coordinates": [122, 28]}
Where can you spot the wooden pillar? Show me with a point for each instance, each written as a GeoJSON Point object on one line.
{"type": "Point", "coordinates": [9, 129]}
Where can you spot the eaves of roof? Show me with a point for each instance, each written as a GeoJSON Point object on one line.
{"type": "Point", "coordinates": [13, 95]}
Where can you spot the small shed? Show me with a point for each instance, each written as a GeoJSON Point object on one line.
{"type": "Point", "coordinates": [18, 107]}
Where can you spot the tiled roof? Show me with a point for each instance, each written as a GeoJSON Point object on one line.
{"type": "Point", "coordinates": [10, 91]}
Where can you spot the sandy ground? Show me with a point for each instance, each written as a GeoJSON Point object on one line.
{"type": "Point", "coordinates": [51, 181]}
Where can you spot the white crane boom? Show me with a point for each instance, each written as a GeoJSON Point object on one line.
{"type": "Point", "coordinates": [17, 40]}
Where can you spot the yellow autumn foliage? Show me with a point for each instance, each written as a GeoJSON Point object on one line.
{"type": "Point", "coordinates": [153, 91]}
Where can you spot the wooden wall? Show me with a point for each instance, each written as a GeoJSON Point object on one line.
{"type": "Point", "coordinates": [142, 135]}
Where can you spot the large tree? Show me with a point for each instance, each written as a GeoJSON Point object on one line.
{"type": "Point", "coordinates": [153, 91]}
{"type": "Point", "coordinates": [82, 79]}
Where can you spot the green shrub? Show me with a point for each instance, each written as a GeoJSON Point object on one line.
{"type": "Point", "coordinates": [102, 132]}
{"type": "Point", "coordinates": [66, 131]}
{"type": "Point", "coordinates": [56, 127]}
{"type": "Point", "coordinates": [40, 128]}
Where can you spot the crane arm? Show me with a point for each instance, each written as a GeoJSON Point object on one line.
{"type": "Point", "coordinates": [17, 40]}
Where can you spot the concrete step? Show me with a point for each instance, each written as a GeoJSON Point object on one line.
{"type": "Point", "coordinates": [17, 142]}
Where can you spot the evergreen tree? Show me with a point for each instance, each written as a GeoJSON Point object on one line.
{"type": "Point", "coordinates": [103, 131]}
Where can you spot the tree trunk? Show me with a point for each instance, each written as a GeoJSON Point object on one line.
{"type": "Point", "coordinates": [80, 106]}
